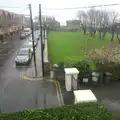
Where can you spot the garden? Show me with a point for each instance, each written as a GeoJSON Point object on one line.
{"type": "Point", "coordinates": [92, 56]}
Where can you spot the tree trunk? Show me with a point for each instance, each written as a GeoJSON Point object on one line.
{"type": "Point", "coordinates": [112, 36]}
{"type": "Point", "coordinates": [112, 33]}
{"type": "Point", "coordinates": [104, 33]}
{"type": "Point", "coordinates": [90, 33]}
{"type": "Point", "coordinates": [100, 34]}
{"type": "Point", "coordinates": [84, 31]}
{"type": "Point", "coordinates": [94, 33]}
{"type": "Point", "coordinates": [118, 37]}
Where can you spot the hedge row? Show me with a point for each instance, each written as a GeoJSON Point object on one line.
{"type": "Point", "coordinates": [84, 111]}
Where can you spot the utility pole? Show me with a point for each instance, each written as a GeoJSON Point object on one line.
{"type": "Point", "coordinates": [44, 34]}
{"type": "Point", "coordinates": [40, 19]}
{"type": "Point", "coordinates": [33, 39]}
{"type": "Point", "coordinates": [42, 57]}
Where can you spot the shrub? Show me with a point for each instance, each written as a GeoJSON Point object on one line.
{"type": "Point", "coordinates": [107, 60]}
{"type": "Point", "coordinates": [83, 111]}
{"type": "Point", "coordinates": [82, 65]}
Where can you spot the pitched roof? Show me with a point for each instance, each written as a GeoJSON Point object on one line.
{"type": "Point", "coordinates": [7, 13]}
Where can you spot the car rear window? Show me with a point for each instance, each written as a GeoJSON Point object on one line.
{"type": "Point", "coordinates": [23, 52]}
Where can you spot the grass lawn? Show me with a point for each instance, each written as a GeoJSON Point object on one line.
{"type": "Point", "coordinates": [63, 44]}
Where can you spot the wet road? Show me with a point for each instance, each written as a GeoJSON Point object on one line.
{"type": "Point", "coordinates": [17, 94]}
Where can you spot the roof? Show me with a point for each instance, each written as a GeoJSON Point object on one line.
{"type": "Point", "coordinates": [5, 12]}
{"type": "Point", "coordinates": [73, 21]}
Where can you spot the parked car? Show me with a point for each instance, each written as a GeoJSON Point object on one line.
{"type": "Point", "coordinates": [35, 42]}
{"type": "Point", "coordinates": [25, 33]}
{"type": "Point", "coordinates": [22, 35]}
{"type": "Point", "coordinates": [27, 30]}
{"type": "Point", "coordinates": [37, 35]}
{"type": "Point", "coordinates": [23, 57]}
{"type": "Point", "coordinates": [29, 45]}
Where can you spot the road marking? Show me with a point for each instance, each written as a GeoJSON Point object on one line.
{"type": "Point", "coordinates": [57, 84]}
{"type": "Point", "coordinates": [22, 76]}
{"type": "Point", "coordinates": [58, 96]}
{"type": "Point", "coordinates": [59, 93]}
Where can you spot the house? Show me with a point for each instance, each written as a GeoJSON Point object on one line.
{"type": "Point", "coordinates": [10, 22]}
{"type": "Point", "coordinates": [73, 24]}
{"type": "Point", "coordinates": [52, 23]}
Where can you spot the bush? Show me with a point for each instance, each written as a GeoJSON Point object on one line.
{"type": "Point", "coordinates": [115, 70]}
{"type": "Point", "coordinates": [83, 111]}
{"type": "Point", "coordinates": [107, 60]}
{"type": "Point", "coordinates": [84, 66]}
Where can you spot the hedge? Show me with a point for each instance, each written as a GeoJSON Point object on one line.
{"type": "Point", "coordinates": [84, 111]}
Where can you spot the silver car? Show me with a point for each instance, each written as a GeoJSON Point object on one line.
{"type": "Point", "coordinates": [23, 56]}
{"type": "Point", "coordinates": [29, 45]}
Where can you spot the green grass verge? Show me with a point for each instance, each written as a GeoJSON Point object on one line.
{"type": "Point", "coordinates": [67, 44]}
{"type": "Point", "coordinates": [84, 111]}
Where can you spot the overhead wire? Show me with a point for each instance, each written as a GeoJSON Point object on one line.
{"type": "Point", "coordinates": [92, 6]}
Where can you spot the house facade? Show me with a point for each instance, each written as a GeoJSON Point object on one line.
{"type": "Point", "coordinates": [10, 21]}
{"type": "Point", "coordinates": [73, 24]}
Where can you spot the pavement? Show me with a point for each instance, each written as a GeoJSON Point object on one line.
{"type": "Point", "coordinates": [18, 93]}
{"type": "Point", "coordinates": [30, 72]}
{"type": "Point", "coordinates": [46, 49]}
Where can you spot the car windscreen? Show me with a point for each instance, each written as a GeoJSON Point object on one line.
{"type": "Point", "coordinates": [23, 52]}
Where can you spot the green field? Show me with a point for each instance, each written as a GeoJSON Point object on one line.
{"type": "Point", "coordinates": [62, 44]}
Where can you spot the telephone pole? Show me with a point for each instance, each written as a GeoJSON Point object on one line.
{"type": "Point", "coordinates": [44, 34]}
{"type": "Point", "coordinates": [42, 57]}
{"type": "Point", "coordinates": [33, 39]}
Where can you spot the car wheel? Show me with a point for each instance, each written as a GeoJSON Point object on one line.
{"type": "Point", "coordinates": [28, 62]}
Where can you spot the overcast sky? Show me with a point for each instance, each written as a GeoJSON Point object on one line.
{"type": "Point", "coordinates": [60, 15]}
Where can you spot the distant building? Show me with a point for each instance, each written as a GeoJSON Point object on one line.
{"type": "Point", "coordinates": [73, 24]}
{"type": "Point", "coordinates": [9, 18]}
{"type": "Point", "coordinates": [26, 22]}
{"type": "Point", "coordinates": [52, 23]}
{"type": "Point", "coordinates": [10, 21]}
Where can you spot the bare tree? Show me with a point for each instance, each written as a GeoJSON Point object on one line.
{"type": "Point", "coordinates": [118, 30]}
{"type": "Point", "coordinates": [93, 21]}
{"type": "Point", "coordinates": [105, 22]}
{"type": "Point", "coordinates": [99, 22]}
{"type": "Point", "coordinates": [83, 20]}
{"type": "Point", "coordinates": [113, 19]}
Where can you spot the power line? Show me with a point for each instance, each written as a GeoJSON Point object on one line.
{"type": "Point", "coordinates": [93, 6]}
